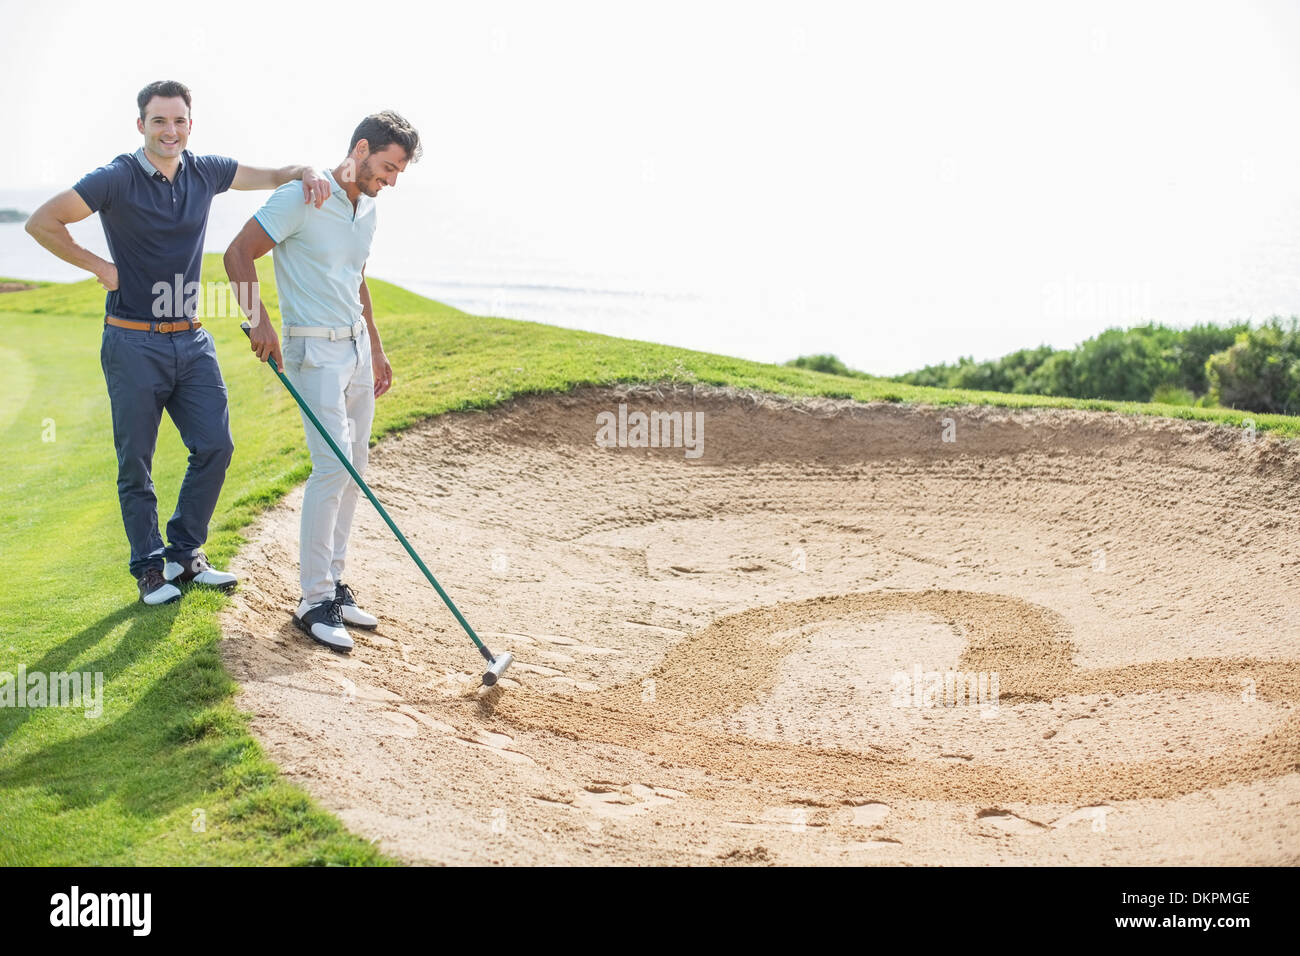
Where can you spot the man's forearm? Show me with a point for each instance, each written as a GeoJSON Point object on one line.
{"type": "Point", "coordinates": [260, 177]}
{"type": "Point", "coordinates": [243, 279]}
{"type": "Point", "coordinates": [368, 313]}
{"type": "Point", "coordinates": [54, 236]}
{"type": "Point", "coordinates": [287, 174]}
{"type": "Point", "coordinates": [242, 274]}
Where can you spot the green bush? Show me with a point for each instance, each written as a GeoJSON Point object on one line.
{"type": "Point", "coordinates": [1260, 371]}
{"type": "Point", "coordinates": [1119, 364]}
{"type": "Point", "coordinates": [822, 363]}
{"type": "Point", "coordinates": [1008, 374]}
{"type": "Point", "coordinates": [1173, 395]}
{"type": "Point", "coordinates": [1124, 365]}
{"type": "Point", "coordinates": [1196, 345]}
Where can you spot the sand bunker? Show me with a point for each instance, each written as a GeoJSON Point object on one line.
{"type": "Point", "coordinates": [814, 632]}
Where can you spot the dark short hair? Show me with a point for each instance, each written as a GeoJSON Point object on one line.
{"type": "Point", "coordinates": [164, 88]}
{"type": "Point", "coordinates": [385, 128]}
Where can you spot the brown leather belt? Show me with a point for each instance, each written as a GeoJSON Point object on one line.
{"type": "Point", "coordinates": [184, 325]}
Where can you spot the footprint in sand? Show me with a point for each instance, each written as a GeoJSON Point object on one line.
{"type": "Point", "coordinates": [609, 799]}
{"type": "Point", "coordinates": [884, 843]}
{"type": "Point", "coordinates": [357, 690]}
{"type": "Point", "coordinates": [1010, 822]}
{"type": "Point", "coordinates": [1094, 816]}
{"type": "Point", "coordinates": [869, 814]}
{"type": "Point", "coordinates": [396, 725]}
{"type": "Point", "coordinates": [430, 722]}
{"type": "Point", "coordinates": [493, 743]}
{"type": "Point", "coordinates": [792, 819]}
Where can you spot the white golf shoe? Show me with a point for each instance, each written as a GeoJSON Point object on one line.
{"type": "Point", "coordinates": [198, 571]}
{"type": "Point", "coordinates": [351, 613]}
{"type": "Point", "coordinates": [323, 624]}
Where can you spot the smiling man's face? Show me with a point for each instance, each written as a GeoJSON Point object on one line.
{"type": "Point", "coordinates": [166, 126]}
{"type": "Point", "coordinates": [381, 169]}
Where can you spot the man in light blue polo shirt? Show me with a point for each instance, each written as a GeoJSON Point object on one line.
{"type": "Point", "coordinates": [332, 352]}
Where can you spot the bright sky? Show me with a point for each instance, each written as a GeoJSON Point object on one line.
{"type": "Point", "coordinates": [968, 167]}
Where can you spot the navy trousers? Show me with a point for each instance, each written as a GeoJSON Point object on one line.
{"type": "Point", "coordinates": [146, 373]}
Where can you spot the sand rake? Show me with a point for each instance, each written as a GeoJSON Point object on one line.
{"type": "Point", "coordinates": [496, 665]}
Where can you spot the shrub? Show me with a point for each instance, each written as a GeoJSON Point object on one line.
{"type": "Point", "coordinates": [1173, 395]}
{"type": "Point", "coordinates": [1131, 365]}
{"type": "Point", "coordinates": [1260, 371]}
{"type": "Point", "coordinates": [822, 363]}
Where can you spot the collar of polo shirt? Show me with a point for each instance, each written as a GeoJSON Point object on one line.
{"type": "Point", "coordinates": [337, 190]}
{"type": "Point", "coordinates": [150, 169]}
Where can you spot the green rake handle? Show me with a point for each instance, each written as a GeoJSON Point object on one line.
{"type": "Point", "coordinates": [343, 460]}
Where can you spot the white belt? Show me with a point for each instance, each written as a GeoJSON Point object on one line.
{"type": "Point", "coordinates": [325, 332]}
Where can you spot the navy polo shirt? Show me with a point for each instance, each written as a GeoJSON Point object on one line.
{"type": "Point", "coordinates": [155, 229]}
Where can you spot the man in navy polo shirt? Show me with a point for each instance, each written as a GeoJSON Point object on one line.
{"type": "Point", "coordinates": [154, 209]}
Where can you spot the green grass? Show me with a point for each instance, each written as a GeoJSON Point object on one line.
{"type": "Point", "coordinates": [124, 788]}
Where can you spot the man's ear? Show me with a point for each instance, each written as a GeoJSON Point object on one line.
{"type": "Point", "coordinates": [352, 164]}
{"type": "Point", "coordinates": [139, 124]}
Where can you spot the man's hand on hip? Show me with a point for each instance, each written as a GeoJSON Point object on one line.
{"type": "Point", "coordinates": [383, 372]}
{"type": "Point", "coordinates": [266, 343]}
{"type": "Point", "coordinates": [107, 276]}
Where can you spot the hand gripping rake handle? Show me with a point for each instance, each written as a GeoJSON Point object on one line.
{"type": "Point", "coordinates": [497, 665]}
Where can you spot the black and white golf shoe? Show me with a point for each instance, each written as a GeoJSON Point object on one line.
{"type": "Point", "coordinates": [351, 613]}
{"type": "Point", "coordinates": [155, 589]}
{"type": "Point", "coordinates": [323, 624]}
{"type": "Point", "coordinates": [199, 571]}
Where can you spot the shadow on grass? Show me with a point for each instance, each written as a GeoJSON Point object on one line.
{"type": "Point", "coordinates": [146, 628]}
{"type": "Point", "coordinates": [178, 745]}
{"type": "Point", "coordinates": [129, 755]}
{"type": "Point", "coordinates": [138, 758]}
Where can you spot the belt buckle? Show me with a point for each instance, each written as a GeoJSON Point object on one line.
{"type": "Point", "coordinates": [163, 327]}
{"type": "Point", "coordinates": [333, 334]}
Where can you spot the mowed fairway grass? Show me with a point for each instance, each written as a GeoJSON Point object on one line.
{"type": "Point", "coordinates": [169, 774]}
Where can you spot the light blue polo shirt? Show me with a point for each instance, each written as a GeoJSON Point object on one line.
{"type": "Point", "coordinates": [319, 253]}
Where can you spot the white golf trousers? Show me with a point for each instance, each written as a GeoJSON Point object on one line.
{"type": "Point", "coordinates": [337, 382]}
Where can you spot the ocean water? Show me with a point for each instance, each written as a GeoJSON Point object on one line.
{"type": "Point", "coordinates": [885, 301]}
